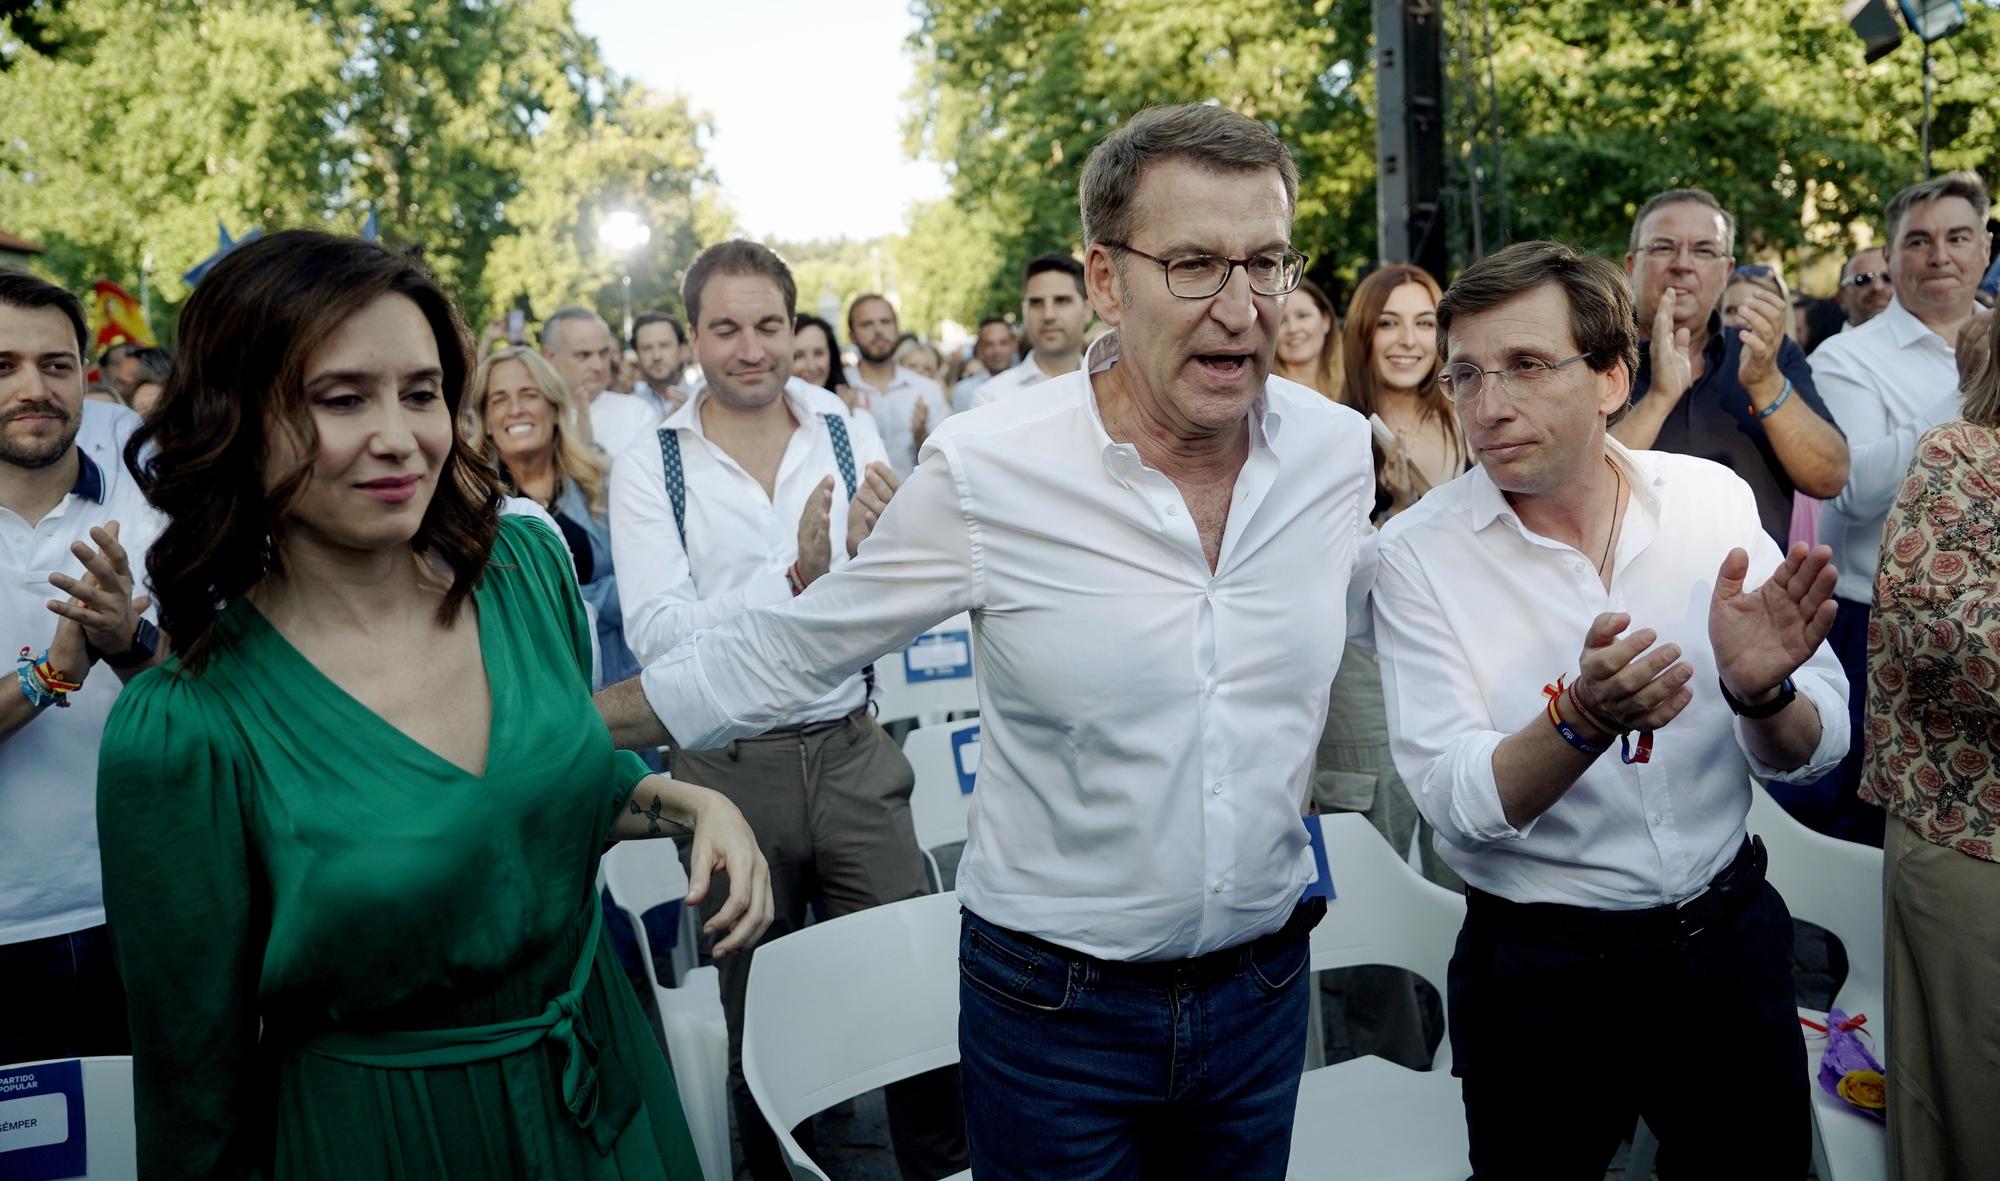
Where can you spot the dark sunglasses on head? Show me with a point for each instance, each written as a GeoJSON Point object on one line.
{"type": "Point", "coordinates": [1866, 278]}
{"type": "Point", "coordinates": [1755, 270]}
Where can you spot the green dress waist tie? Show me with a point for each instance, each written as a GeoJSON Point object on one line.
{"type": "Point", "coordinates": [561, 1022]}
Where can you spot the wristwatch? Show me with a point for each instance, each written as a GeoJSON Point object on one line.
{"type": "Point", "coordinates": [1756, 713]}
{"type": "Point", "coordinates": [145, 640]}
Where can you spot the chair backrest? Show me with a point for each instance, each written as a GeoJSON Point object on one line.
{"type": "Point", "coordinates": [946, 761]}
{"type": "Point", "coordinates": [642, 875]}
{"type": "Point", "coordinates": [1833, 884]}
{"type": "Point", "coordinates": [930, 678]}
{"type": "Point", "coordinates": [110, 1137]}
{"type": "Point", "coordinates": [1383, 911]}
{"type": "Point", "coordinates": [845, 1006]}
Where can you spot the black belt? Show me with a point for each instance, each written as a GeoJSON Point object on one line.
{"type": "Point", "coordinates": [1195, 971]}
{"type": "Point", "coordinates": [1676, 922]}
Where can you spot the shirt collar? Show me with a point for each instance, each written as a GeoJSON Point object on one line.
{"type": "Point", "coordinates": [1265, 422]}
{"type": "Point", "coordinates": [1903, 326]}
{"type": "Point", "coordinates": [1485, 503]}
{"type": "Point", "coordinates": [89, 478]}
{"type": "Point", "coordinates": [688, 416]}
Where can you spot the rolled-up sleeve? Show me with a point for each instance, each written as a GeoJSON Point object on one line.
{"type": "Point", "coordinates": [919, 566]}
{"type": "Point", "coordinates": [1439, 729]}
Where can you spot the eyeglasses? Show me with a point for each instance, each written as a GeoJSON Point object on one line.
{"type": "Point", "coordinates": [1666, 250]}
{"type": "Point", "coordinates": [1867, 279]}
{"type": "Point", "coordinates": [1463, 381]}
{"type": "Point", "coordinates": [1198, 276]}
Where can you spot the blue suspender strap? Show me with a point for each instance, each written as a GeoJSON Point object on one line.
{"type": "Point", "coordinates": [670, 460]}
{"type": "Point", "coordinates": [843, 451]}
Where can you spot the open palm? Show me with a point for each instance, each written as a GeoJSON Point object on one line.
{"type": "Point", "coordinates": [1761, 637]}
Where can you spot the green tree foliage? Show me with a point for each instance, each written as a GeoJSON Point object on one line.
{"type": "Point", "coordinates": [486, 134]}
{"type": "Point", "coordinates": [1600, 104]}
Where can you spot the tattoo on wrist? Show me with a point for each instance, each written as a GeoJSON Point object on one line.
{"type": "Point", "coordinates": [656, 821]}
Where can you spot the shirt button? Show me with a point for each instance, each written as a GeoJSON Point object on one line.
{"type": "Point", "coordinates": [1210, 592]}
{"type": "Point", "coordinates": [1212, 686]}
{"type": "Point", "coordinates": [1173, 510]}
{"type": "Point", "coordinates": [1218, 887]}
{"type": "Point", "coordinates": [1659, 820]}
{"type": "Point", "coordinates": [1217, 789]}
{"type": "Point", "coordinates": [1577, 566]}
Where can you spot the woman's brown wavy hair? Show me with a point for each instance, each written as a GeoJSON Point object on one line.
{"type": "Point", "coordinates": [246, 335]}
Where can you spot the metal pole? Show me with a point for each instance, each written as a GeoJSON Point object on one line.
{"type": "Point", "coordinates": [1927, 110]}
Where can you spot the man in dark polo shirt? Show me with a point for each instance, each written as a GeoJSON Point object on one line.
{"type": "Point", "coordinates": [1741, 397]}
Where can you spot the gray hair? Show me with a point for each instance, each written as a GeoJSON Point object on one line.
{"type": "Point", "coordinates": [1965, 185]}
{"type": "Point", "coordinates": [563, 316]}
{"type": "Point", "coordinates": [1700, 197]}
{"type": "Point", "coordinates": [1213, 138]}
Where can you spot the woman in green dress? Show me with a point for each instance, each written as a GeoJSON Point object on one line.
{"type": "Point", "coordinates": [351, 830]}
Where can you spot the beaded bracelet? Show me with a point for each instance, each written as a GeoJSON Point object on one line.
{"type": "Point", "coordinates": [1768, 411]}
{"type": "Point", "coordinates": [1643, 753]}
{"type": "Point", "coordinates": [795, 580]}
{"type": "Point", "coordinates": [42, 683]}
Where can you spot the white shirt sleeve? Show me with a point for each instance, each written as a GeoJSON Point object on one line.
{"type": "Point", "coordinates": [1439, 730]}
{"type": "Point", "coordinates": [919, 566]}
{"type": "Point", "coordinates": [1877, 457]}
{"type": "Point", "coordinates": [656, 588]}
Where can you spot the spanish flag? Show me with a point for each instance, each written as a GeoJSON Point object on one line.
{"type": "Point", "coordinates": [118, 316]}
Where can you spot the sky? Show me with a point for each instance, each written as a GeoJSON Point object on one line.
{"type": "Point", "coordinates": [798, 91]}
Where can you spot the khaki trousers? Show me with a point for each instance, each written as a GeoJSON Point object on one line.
{"type": "Point", "coordinates": [830, 804]}
{"type": "Point", "coordinates": [1941, 927]}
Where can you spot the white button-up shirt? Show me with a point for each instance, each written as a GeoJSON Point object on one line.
{"type": "Point", "coordinates": [895, 406]}
{"type": "Point", "coordinates": [1149, 725]}
{"type": "Point", "coordinates": [617, 419]}
{"type": "Point", "coordinates": [1025, 376]}
{"type": "Point", "coordinates": [49, 879]}
{"type": "Point", "coordinates": [1474, 613]}
{"type": "Point", "coordinates": [739, 540]}
{"type": "Point", "coordinates": [1886, 382]}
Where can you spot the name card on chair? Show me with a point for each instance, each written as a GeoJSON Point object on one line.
{"type": "Point", "coordinates": [965, 757]}
{"type": "Point", "coordinates": [41, 1121]}
{"type": "Point", "coordinates": [1321, 885]}
{"type": "Point", "coordinates": [938, 656]}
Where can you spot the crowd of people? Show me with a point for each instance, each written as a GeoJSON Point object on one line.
{"type": "Point", "coordinates": [364, 638]}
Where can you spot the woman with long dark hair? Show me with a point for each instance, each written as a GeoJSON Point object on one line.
{"type": "Point", "coordinates": [350, 832]}
{"type": "Point", "coordinates": [816, 358]}
{"type": "Point", "coordinates": [1392, 364]}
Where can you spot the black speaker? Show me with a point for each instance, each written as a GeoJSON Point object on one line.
{"type": "Point", "coordinates": [1877, 27]}
{"type": "Point", "coordinates": [1410, 114]}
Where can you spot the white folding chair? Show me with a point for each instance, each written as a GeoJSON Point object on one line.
{"type": "Point", "coordinates": [848, 1005]}
{"type": "Point", "coordinates": [111, 1148]}
{"type": "Point", "coordinates": [930, 679]}
{"type": "Point", "coordinates": [946, 761]}
{"type": "Point", "coordinates": [1369, 1119]}
{"type": "Point", "coordinates": [642, 875]}
{"type": "Point", "coordinates": [1837, 885]}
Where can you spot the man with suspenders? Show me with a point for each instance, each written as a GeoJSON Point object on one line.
{"type": "Point", "coordinates": [745, 495]}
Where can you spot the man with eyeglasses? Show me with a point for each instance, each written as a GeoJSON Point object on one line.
{"type": "Point", "coordinates": [1156, 551]}
{"type": "Point", "coordinates": [1587, 652]}
{"type": "Point", "coordinates": [1888, 381]}
{"type": "Point", "coordinates": [1743, 397]}
{"type": "Point", "coordinates": [1865, 286]}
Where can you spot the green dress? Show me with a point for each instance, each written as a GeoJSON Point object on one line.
{"type": "Point", "coordinates": [346, 957]}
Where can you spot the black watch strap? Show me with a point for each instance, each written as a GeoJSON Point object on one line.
{"type": "Point", "coordinates": [145, 640]}
{"type": "Point", "coordinates": [1787, 693]}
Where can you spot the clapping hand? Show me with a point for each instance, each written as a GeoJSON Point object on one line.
{"type": "Point", "coordinates": [1761, 637]}
{"type": "Point", "coordinates": [101, 606]}
{"type": "Point", "coordinates": [1764, 316]}
{"type": "Point", "coordinates": [871, 499]}
{"type": "Point", "coordinates": [816, 532]}
{"type": "Point", "coordinates": [1627, 683]}
{"type": "Point", "coordinates": [1673, 362]}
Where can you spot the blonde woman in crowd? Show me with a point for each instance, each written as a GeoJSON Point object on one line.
{"type": "Point", "coordinates": [1309, 341]}
{"type": "Point", "coordinates": [519, 415]}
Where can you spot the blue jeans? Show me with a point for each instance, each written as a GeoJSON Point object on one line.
{"type": "Point", "coordinates": [1075, 1069]}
